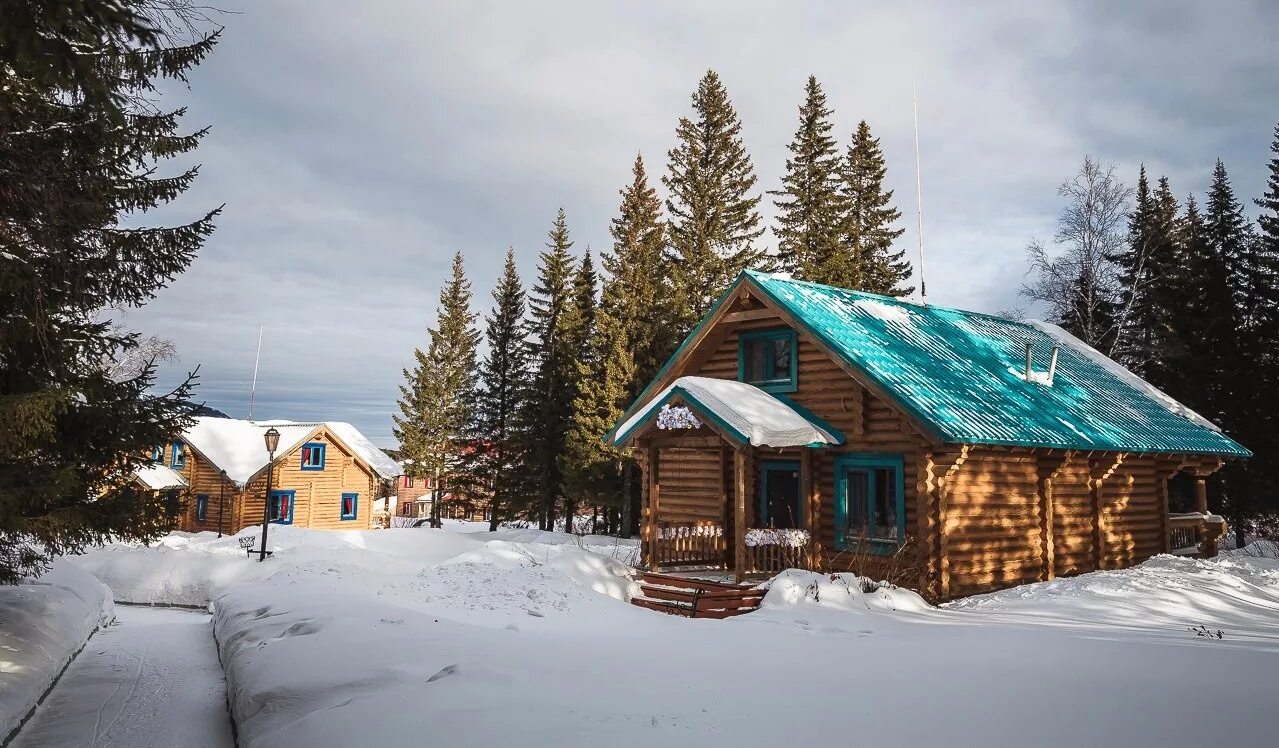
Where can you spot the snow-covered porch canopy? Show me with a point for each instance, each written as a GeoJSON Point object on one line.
{"type": "Point", "coordinates": [741, 413]}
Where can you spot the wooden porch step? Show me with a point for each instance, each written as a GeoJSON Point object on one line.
{"type": "Point", "coordinates": [696, 598]}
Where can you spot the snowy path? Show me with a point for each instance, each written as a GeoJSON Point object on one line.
{"type": "Point", "coordinates": [151, 679]}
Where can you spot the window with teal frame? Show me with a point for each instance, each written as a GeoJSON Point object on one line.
{"type": "Point", "coordinates": [768, 360]}
{"type": "Point", "coordinates": [350, 505]}
{"type": "Point", "coordinates": [179, 458]}
{"type": "Point", "coordinates": [201, 507]}
{"type": "Point", "coordinates": [870, 502]}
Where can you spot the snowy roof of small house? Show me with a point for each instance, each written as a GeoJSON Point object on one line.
{"type": "Point", "coordinates": [238, 447]}
{"type": "Point", "coordinates": [961, 373]}
{"type": "Point", "coordinates": [744, 412]}
{"type": "Point", "coordinates": [158, 477]}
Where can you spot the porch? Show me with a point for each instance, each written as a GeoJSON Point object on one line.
{"type": "Point", "coordinates": [729, 486]}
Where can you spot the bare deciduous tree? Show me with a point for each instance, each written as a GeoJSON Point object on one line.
{"type": "Point", "coordinates": [1074, 276]}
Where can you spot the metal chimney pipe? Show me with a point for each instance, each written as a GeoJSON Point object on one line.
{"type": "Point", "coordinates": [1029, 351]}
{"type": "Point", "coordinates": [1052, 363]}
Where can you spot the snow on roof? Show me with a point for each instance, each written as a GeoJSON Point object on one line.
{"type": "Point", "coordinates": [743, 409]}
{"type": "Point", "coordinates": [1132, 380]}
{"type": "Point", "coordinates": [238, 447]}
{"type": "Point", "coordinates": [380, 462]}
{"type": "Point", "coordinates": [158, 477]}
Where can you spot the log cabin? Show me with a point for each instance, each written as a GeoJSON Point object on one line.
{"type": "Point", "coordinates": [802, 425]}
{"type": "Point", "coordinates": [326, 475]}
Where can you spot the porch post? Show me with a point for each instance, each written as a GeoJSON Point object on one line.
{"type": "Point", "coordinates": [654, 489]}
{"type": "Point", "coordinates": [739, 512]}
{"type": "Point", "coordinates": [808, 495]}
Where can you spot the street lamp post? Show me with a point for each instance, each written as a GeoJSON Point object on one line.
{"type": "Point", "coordinates": [272, 438]}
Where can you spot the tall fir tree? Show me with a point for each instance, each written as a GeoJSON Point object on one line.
{"type": "Point", "coordinates": [580, 330]}
{"type": "Point", "coordinates": [1147, 265]}
{"type": "Point", "coordinates": [811, 210]}
{"type": "Point", "coordinates": [714, 218]}
{"type": "Point", "coordinates": [497, 459]}
{"type": "Point", "coordinates": [549, 404]}
{"type": "Point", "coordinates": [866, 259]}
{"type": "Point", "coordinates": [636, 301]}
{"type": "Point", "coordinates": [1259, 339]}
{"type": "Point", "coordinates": [592, 469]}
{"type": "Point", "coordinates": [437, 399]}
{"type": "Point", "coordinates": [82, 135]}
{"type": "Point", "coordinates": [638, 288]}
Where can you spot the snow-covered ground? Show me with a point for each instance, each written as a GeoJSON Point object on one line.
{"type": "Point", "coordinates": [150, 679]}
{"type": "Point", "coordinates": [463, 637]}
{"type": "Point", "coordinates": [43, 624]}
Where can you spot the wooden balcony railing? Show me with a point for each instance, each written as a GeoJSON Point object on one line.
{"type": "Point", "coordinates": [690, 544]}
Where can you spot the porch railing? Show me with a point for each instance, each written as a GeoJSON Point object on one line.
{"type": "Point", "coordinates": [1183, 533]}
{"type": "Point", "coordinates": [1195, 533]}
{"type": "Point", "coordinates": [690, 544]}
{"type": "Point", "coordinates": [771, 551]}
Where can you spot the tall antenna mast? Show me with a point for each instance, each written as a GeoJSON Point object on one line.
{"type": "Point", "coordinates": [253, 390]}
{"type": "Point", "coordinates": [919, 198]}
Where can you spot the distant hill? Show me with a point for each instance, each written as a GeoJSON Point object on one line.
{"type": "Point", "coordinates": [205, 410]}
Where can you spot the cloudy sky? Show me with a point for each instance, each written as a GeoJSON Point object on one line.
{"type": "Point", "coordinates": [358, 145]}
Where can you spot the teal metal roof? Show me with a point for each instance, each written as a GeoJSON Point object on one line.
{"type": "Point", "coordinates": [962, 374]}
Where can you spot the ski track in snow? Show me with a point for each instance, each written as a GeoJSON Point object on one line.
{"type": "Point", "coordinates": [150, 679]}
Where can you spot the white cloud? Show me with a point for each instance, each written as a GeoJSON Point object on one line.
{"type": "Point", "coordinates": [357, 145]}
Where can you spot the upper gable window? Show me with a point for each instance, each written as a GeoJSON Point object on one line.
{"type": "Point", "coordinates": [313, 456]}
{"type": "Point", "coordinates": [767, 359]}
{"type": "Point", "coordinates": [179, 458]}
{"type": "Point", "coordinates": [157, 453]}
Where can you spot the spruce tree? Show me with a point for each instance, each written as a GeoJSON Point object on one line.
{"type": "Point", "coordinates": [497, 460]}
{"type": "Point", "coordinates": [438, 398]}
{"type": "Point", "coordinates": [714, 219]}
{"type": "Point", "coordinates": [636, 300]}
{"type": "Point", "coordinates": [811, 209]}
{"type": "Point", "coordinates": [865, 259]}
{"type": "Point", "coordinates": [637, 291]}
{"type": "Point", "coordinates": [580, 329]}
{"type": "Point", "coordinates": [82, 136]}
{"type": "Point", "coordinates": [592, 469]}
{"type": "Point", "coordinates": [1147, 264]}
{"type": "Point", "coordinates": [549, 404]}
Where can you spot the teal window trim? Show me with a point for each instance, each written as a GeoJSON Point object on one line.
{"type": "Point", "coordinates": [870, 461]}
{"type": "Point", "coordinates": [355, 506]}
{"type": "Point", "coordinates": [313, 455]}
{"type": "Point", "coordinates": [179, 457]}
{"type": "Point", "coordinates": [201, 507]}
{"type": "Point", "coordinates": [157, 453]}
{"type": "Point", "coordinates": [282, 518]}
{"type": "Point", "coordinates": [774, 380]}
{"type": "Point", "coordinates": [777, 466]}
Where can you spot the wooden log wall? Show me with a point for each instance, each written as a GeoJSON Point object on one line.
{"type": "Point", "coordinates": [204, 478]}
{"type": "Point", "coordinates": [825, 388]}
{"type": "Point", "coordinates": [318, 493]}
{"type": "Point", "coordinates": [692, 484]}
